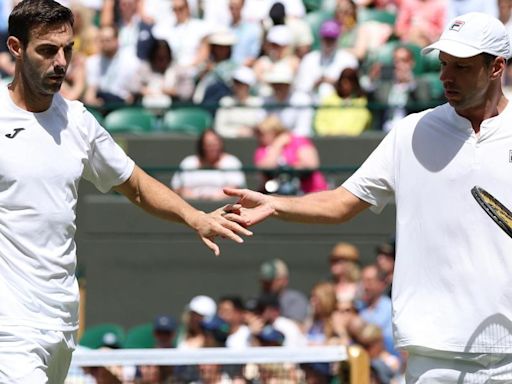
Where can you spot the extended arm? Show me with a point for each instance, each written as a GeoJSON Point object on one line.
{"type": "Point", "coordinates": [326, 207]}
{"type": "Point", "coordinates": [159, 200]}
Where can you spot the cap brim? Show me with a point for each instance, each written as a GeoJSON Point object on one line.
{"type": "Point", "coordinates": [453, 48]}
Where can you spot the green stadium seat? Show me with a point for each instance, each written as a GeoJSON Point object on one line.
{"type": "Point", "coordinates": [140, 336]}
{"type": "Point", "coordinates": [315, 20]}
{"type": "Point", "coordinates": [99, 335]}
{"type": "Point", "coordinates": [130, 120]}
{"type": "Point", "coordinates": [312, 5]}
{"type": "Point", "coordinates": [187, 120]}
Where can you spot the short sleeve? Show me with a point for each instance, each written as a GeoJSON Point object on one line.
{"type": "Point", "coordinates": [374, 182]}
{"type": "Point", "coordinates": [107, 165]}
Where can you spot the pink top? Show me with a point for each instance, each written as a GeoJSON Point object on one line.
{"type": "Point", "coordinates": [315, 181]}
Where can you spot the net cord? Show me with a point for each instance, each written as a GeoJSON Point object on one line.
{"type": "Point", "coordinates": [170, 356]}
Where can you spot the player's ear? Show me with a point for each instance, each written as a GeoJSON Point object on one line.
{"type": "Point", "coordinates": [15, 47]}
{"type": "Point", "coordinates": [498, 67]}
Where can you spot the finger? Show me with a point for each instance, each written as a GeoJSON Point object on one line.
{"type": "Point", "coordinates": [255, 215]}
{"type": "Point", "coordinates": [237, 218]}
{"type": "Point", "coordinates": [229, 234]}
{"type": "Point", "coordinates": [211, 244]}
{"type": "Point", "coordinates": [234, 192]}
{"type": "Point", "coordinates": [232, 207]}
{"type": "Point", "coordinates": [236, 225]}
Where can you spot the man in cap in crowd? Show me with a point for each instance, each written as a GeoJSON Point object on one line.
{"type": "Point", "coordinates": [164, 330]}
{"type": "Point", "coordinates": [274, 279]}
{"type": "Point", "coordinates": [241, 111]}
{"type": "Point", "coordinates": [452, 286]}
{"type": "Point", "coordinates": [214, 78]}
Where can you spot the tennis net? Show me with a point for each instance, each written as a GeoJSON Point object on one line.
{"type": "Point", "coordinates": [257, 365]}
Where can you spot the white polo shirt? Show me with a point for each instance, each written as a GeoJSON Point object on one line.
{"type": "Point", "coordinates": [43, 156]}
{"type": "Point", "coordinates": [452, 287]}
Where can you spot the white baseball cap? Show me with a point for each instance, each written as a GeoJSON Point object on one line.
{"type": "Point", "coordinates": [245, 75]}
{"type": "Point", "coordinates": [471, 34]}
{"type": "Point", "coordinates": [280, 35]}
{"type": "Point", "coordinates": [203, 305]}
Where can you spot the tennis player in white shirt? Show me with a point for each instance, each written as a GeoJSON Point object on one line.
{"type": "Point", "coordinates": [452, 286]}
{"type": "Point", "coordinates": [47, 144]}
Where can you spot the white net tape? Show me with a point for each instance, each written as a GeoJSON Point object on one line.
{"type": "Point", "coordinates": [87, 365]}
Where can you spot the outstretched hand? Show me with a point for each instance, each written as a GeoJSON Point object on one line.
{"type": "Point", "coordinates": [216, 223]}
{"type": "Point", "coordinates": [251, 208]}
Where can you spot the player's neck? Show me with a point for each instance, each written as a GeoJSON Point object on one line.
{"type": "Point", "coordinates": [26, 99]}
{"type": "Point", "coordinates": [492, 107]}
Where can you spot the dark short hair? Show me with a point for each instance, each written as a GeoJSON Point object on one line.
{"type": "Point", "coordinates": [488, 58]}
{"type": "Point", "coordinates": [30, 14]}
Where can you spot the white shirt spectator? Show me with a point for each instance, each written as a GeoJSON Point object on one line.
{"type": "Point", "coordinates": [115, 75]}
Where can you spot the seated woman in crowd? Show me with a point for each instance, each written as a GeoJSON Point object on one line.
{"type": "Point", "coordinates": [280, 152]}
{"type": "Point", "coordinates": [204, 174]}
{"type": "Point", "coordinates": [344, 111]}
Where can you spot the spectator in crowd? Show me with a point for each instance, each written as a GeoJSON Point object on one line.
{"type": "Point", "coordinates": [375, 306]}
{"type": "Point", "coordinates": [275, 279]}
{"type": "Point", "coordinates": [276, 54]}
{"type": "Point", "coordinates": [134, 32]}
{"type": "Point", "coordinates": [420, 22]}
{"type": "Point", "coordinates": [455, 8]}
{"type": "Point", "coordinates": [269, 337]}
{"type": "Point", "coordinates": [360, 38]}
{"type": "Point", "coordinates": [289, 161]}
{"type": "Point", "coordinates": [232, 310]}
{"type": "Point", "coordinates": [191, 335]}
{"type": "Point", "coordinates": [204, 174]}
{"type": "Point", "coordinates": [505, 14]}
{"type": "Point", "coordinates": [385, 261]}
{"type": "Point", "coordinates": [345, 272]}
{"type": "Point", "coordinates": [241, 112]}
{"type": "Point", "coordinates": [258, 10]}
{"type": "Point", "coordinates": [324, 326]}
{"type": "Point", "coordinates": [164, 331]}
{"type": "Point", "coordinates": [387, 5]}
{"type": "Point", "coordinates": [397, 91]}
{"type": "Point", "coordinates": [345, 110]}
{"type": "Point", "coordinates": [214, 78]}
{"type": "Point", "coordinates": [216, 334]}
{"type": "Point", "coordinates": [370, 337]}
{"type": "Point", "coordinates": [188, 41]}
{"type": "Point", "coordinates": [317, 373]}
{"type": "Point", "coordinates": [268, 313]}
{"type": "Point", "coordinates": [320, 69]}
{"type": "Point", "coordinates": [216, 331]}
{"type": "Point", "coordinates": [249, 35]}
{"type": "Point", "coordinates": [302, 37]}
{"type": "Point", "coordinates": [294, 108]}
{"type": "Point", "coordinates": [112, 74]}
{"type": "Point", "coordinates": [158, 77]}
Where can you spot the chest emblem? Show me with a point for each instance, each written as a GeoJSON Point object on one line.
{"type": "Point", "coordinates": [14, 133]}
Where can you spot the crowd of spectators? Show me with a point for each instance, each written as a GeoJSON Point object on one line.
{"type": "Point", "coordinates": [350, 306]}
{"type": "Point", "coordinates": [313, 63]}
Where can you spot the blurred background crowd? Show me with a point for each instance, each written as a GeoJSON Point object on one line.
{"type": "Point", "coordinates": [324, 67]}
{"type": "Point", "coordinates": [350, 305]}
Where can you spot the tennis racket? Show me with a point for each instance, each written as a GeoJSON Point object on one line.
{"type": "Point", "coordinates": [497, 211]}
